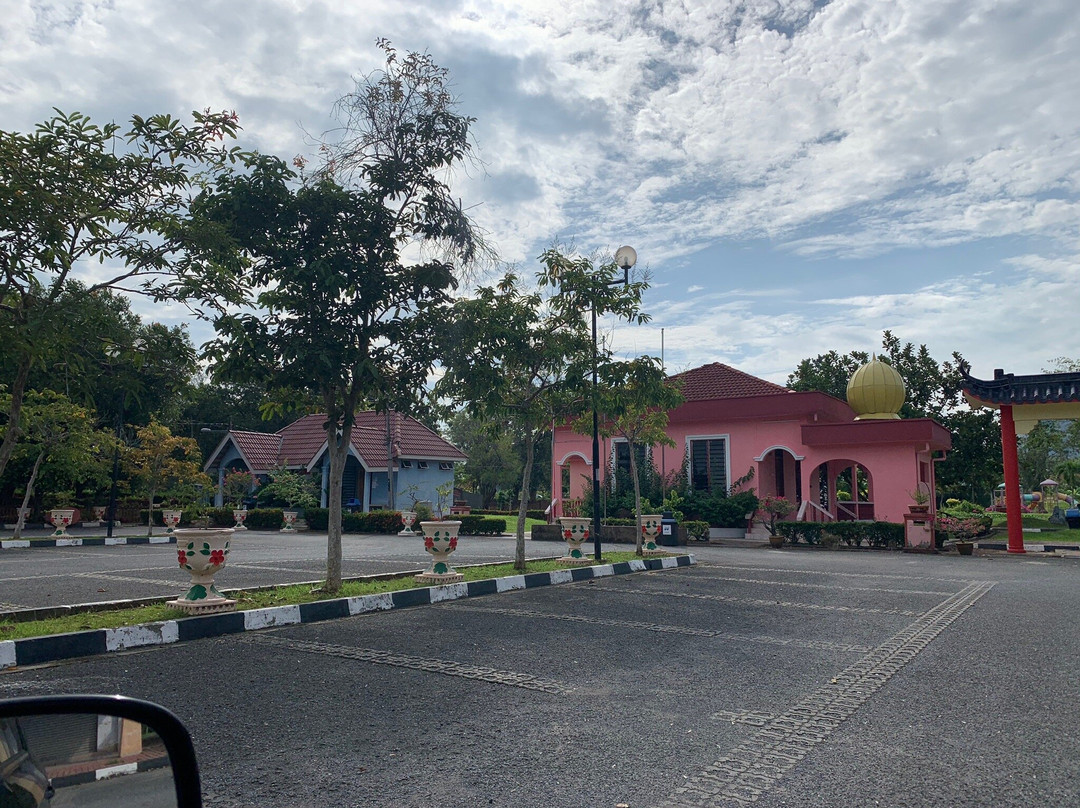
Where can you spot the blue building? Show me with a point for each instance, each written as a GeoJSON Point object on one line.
{"type": "Point", "coordinates": [417, 458]}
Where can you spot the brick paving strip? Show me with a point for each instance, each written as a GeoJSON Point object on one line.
{"type": "Point", "coordinates": [747, 772]}
{"type": "Point", "coordinates": [445, 667]}
{"type": "Point", "coordinates": [817, 645]}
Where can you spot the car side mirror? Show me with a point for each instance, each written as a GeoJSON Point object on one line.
{"type": "Point", "coordinates": [58, 751]}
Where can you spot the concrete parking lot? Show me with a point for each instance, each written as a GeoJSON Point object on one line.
{"type": "Point", "coordinates": [773, 678]}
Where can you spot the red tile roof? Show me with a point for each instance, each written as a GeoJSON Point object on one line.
{"type": "Point", "coordinates": [298, 444]}
{"type": "Point", "coordinates": [259, 449]}
{"type": "Point", "coordinates": [717, 380]}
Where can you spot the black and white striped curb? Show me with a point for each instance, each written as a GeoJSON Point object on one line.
{"type": "Point", "coordinates": [93, 775]}
{"type": "Point", "coordinates": [39, 650]}
{"type": "Point", "coordinates": [89, 541]}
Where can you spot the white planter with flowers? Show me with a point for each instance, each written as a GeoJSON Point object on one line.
{"type": "Point", "coordinates": [650, 529]}
{"type": "Point", "coordinates": [575, 531]}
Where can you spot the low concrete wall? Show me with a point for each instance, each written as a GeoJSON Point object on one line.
{"type": "Point", "coordinates": [620, 534]}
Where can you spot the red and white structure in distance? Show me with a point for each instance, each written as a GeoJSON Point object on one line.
{"type": "Point", "coordinates": [800, 445]}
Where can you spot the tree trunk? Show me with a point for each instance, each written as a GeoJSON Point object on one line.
{"type": "Point", "coordinates": [150, 512]}
{"type": "Point", "coordinates": [639, 549]}
{"type": "Point", "coordinates": [338, 448]}
{"type": "Point", "coordinates": [523, 500]}
{"type": "Point", "coordinates": [18, 390]}
{"type": "Point", "coordinates": [27, 495]}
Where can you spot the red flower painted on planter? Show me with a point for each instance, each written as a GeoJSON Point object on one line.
{"type": "Point", "coordinates": [566, 534]}
{"type": "Point", "coordinates": [217, 557]}
{"type": "Point", "coordinates": [584, 534]}
{"type": "Point", "coordinates": [453, 543]}
{"type": "Point", "coordinates": [428, 542]}
{"type": "Point", "coordinates": [182, 556]}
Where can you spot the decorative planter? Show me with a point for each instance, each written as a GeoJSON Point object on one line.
{"type": "Point", "coordinates": [171, 520]}
{"type": "Point", "coordinates": [575, 530]}
{"type": "Point", "coordinates": [239, 514]}
{"type": "Point", "coordinates": [21, 515]}
{"type": "Point", "coordinates": [918, 508]}
{"type": "Point", "coordinates": [290, 520]}
{"type": "Point", "coordinates": [776, 542]}
{"type": "Point", "coordinates": [99, 513]}
{"type": "Point", "coordinates": [203, 553]}
{"type": "Point", "coordinates": [650, 526]}
{"type": "Point", "coordinates": [440, 539]}
{"type": "Point", "coordinates": [61, 519]}
{"type": "Point", "coordinates": [408, 517]}
{"type": "Point", "coordinates": [965, 547]}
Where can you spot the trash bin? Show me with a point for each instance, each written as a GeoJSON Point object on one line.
{"type": "Point", "coordinates": [1072, 517]}
{"type": "Point", "coordinates": [669, 530]}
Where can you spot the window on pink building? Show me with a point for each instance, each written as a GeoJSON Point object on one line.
{"type": "Point", "coordinates": [708, 465]}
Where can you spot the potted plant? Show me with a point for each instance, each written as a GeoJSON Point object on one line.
{"type": "Point", "coordinates": [440, 540]}
{"type": "Point", "coordinates": [60, 506]}
{"type": "Point", "coordinates": [235, 487]}
{"type": "Point", "coordinates": [775, 509]}
{"type": "Point", "coordinates": [920, 499]}
{"type": "Point", "coordinates": [409, 517]}
{"type": "Point", "coordinates": [963, 530]}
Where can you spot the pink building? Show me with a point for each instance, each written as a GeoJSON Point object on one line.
{"type": "Point", "coordinates": [797, 444]}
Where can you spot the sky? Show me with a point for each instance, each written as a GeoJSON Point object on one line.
{"type": "Point", "coordinates": [796, 177]}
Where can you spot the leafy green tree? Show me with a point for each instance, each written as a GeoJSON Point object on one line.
{"type": "Point", "coordinates": [347, 316]}
{"type": "Point", "coordinates": [72, 192]}
{"type": "Point", "coordinates": [293, 489]}
{"type": "Point", "coordinates": [61, 438]}
{"type": "Point", "coordinates": [494, 463]}
{"type": "Point", "coordinates": [524, 355]}
{"type": "Point", "coordinates": [164, 464]}
{"type": "Point", "coordinates": [634, 399]}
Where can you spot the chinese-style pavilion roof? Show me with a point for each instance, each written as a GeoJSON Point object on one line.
{"type": "Point", "coordinates": [717, 380]}
{"type": "Point", "coordinates": [1008, 388]}
{"type": "Point", "coordinates": [300, 444]}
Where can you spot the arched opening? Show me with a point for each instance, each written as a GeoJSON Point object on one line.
{"type": "Point", "coordinates": [844, 489]}
{"type": "Point", "coordinates": [779, 474]}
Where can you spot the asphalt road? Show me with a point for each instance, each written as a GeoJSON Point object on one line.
{"type": "Point", "coordinates": [778, 678]}
{"type": "Point", "coordinates": [50, 576]}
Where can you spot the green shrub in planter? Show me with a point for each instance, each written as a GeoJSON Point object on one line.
{"type": "Point", "coordinates": [810, 532]}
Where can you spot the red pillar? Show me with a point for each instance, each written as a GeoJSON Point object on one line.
{"type": "Point", "coordinates": [1012, 480]}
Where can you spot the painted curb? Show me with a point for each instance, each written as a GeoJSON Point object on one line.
{"type": "Point", "coordinates": [39, 650]}
{"type": "Point", "coordinates": [100, 541]}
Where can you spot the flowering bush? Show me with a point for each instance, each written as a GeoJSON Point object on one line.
{"type": "Point", "coordinates": [776, 508]}
{"type": "Point", "coordinates": [963, 529]}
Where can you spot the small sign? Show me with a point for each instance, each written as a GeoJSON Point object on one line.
{"type": "Point", "coordinates": [667, 530]}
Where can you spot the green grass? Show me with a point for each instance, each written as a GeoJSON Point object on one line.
{"type": "Point", "coordinates": [278, 596]}
{"type": "Point", "coordinates": [511, 523]}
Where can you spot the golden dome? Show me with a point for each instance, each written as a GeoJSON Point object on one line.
{"type": "Point", "coordinates": [876, 391]}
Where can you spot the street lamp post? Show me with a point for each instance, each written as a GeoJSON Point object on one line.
{"type": "Point", "coordinates": [625, 258]}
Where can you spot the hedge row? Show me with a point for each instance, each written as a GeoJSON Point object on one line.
{"type": "Point", "coordinates": [853, 534]}
{"type": "Point", "coordinates": [481, 526]}
{"type": "Point", "coordinates": [528, 514]}
{"type": "Point", "coordinates": [257, 519]}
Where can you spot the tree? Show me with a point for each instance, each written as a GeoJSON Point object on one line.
{"type": "Point", "coordinates": [165, 464]}
{"type": "Point", "coordinates": [494, 463]}
{"type": "Point", "coordinates": [71, 193]}
{"type": "Point", "coordinates": [634, 399]}
{"type": "Point", "coordinates": [346, 318]}
{"type": "Point", "coordinates": [524, 355]}
{"type": "Point", "coordinates": [61, 439]}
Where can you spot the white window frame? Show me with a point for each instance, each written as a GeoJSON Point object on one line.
{"type": "Point", "coordinates": [726, 438]}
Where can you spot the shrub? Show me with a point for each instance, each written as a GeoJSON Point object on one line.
{"type": "Point", "coordinates": [265, 519]}
{"type": "Point", "coordinates": [613, 521]}
{"type": "Point", "coordinates": [221, 517]}
{"type": "Point", "coordinates": [964, 528]}
{"type": "Point", "coordinates": [317, 518]}
{"type": "Point", "coordinates": [482, 526]}
{"type": "Point", "coordinates": [810, 532]}
{"type": "Point", "coordinates": [731, 511]}
{"type": "Point", "coordinates": [696, 531]}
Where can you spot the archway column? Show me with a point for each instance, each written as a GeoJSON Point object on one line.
{"type": "Point", "coordinates": [1011, 463]}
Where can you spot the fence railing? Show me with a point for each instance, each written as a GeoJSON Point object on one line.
{"type": "Point", "coordinates": [812, 512]}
